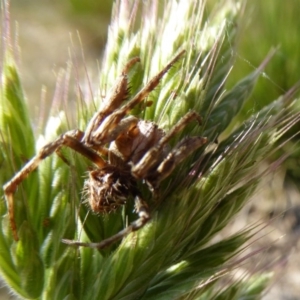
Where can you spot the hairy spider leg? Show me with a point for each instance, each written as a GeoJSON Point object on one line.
{"type": "Point", "coordinates": [116, 96]}
{"type": "Point", "coordinates": [150, 86]}
{"type": "Point", "coordinates": [180, 152]}
{"type": "Point", "coordinates": [142, 210]}
{"type": "Point", "coordinates": [111, 121]}
{"type": "Point", "coordinates": [123, 126]}
{"type": "Point", "coordinates": [149, 160]}
{"type": "Point", "coordinates": [68, 139]}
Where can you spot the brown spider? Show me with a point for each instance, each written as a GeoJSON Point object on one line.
{"type": "Point", "coordinates": [136, 150]}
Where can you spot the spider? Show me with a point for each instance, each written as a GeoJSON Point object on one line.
{"type": "Point", "coordinates": [124, 149]}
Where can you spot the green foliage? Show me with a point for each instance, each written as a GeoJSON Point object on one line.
{"type": "Point", "coordinates": [174, 256]}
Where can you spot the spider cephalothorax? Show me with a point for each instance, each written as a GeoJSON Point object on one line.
{"type": "Point", "coordinates": [124, 150]}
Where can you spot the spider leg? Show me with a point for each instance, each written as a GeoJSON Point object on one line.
{"type": "Point", "coordinates": [113, 119]}
{"type": "Point", "coordinates": [150, 86]}
{"type": "Point", "coordinates": [149, 160]}
{"type": "Point", "coordinates": [181, 151]}
{"type": "Point", "coordinates": [142, 210]}
{"type": "Point", "coordinates": [69, 139]}
{"type": "Point", "coordinates": [116, 96]}
{"type": "Point", "coordinates": [112, 134]}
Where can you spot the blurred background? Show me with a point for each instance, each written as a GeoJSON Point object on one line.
{"type": "Point", "coordinates": [49, 32]}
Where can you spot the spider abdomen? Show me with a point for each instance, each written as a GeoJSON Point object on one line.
{"type": "Point", "coordinates": [107, 189]}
